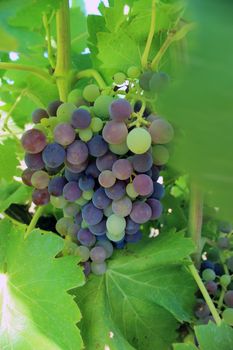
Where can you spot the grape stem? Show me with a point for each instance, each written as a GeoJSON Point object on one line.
{"type": "Point", "coordinates": [46, 23]}
{"type": "Point", "coordinates": [17, 66]}
{"type": "Point", "coordinates": [92, 73]}
{"type": "Point", "coordinates": [205, 294]}
{"type": "Point", "coordinates": [144, 59]}
{"type": "Point", "coordinates": [162, 50]}
{"type": "Point", "coordinates": [34, 220]}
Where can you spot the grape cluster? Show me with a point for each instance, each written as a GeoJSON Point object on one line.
{"type": "Point", "coordinates": [97, 157]}
{"type": "Point", "coordinates": [217, 275]}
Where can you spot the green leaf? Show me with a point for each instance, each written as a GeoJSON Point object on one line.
{"type": "Point", "coordinates": [13, 193]}
{"type": "Point", "coordinates": [78, 27]}
{"type": "Point", "coordinates": [8, 42]}
{"type": "Point", "coordinates": [37, 312]}
{"type": "Point", "coordinates": [213, 337]}
{"type": "Point", "coordinates": [143, 284]}
{"type": "Point", "coordinates": [184, 347]}
{"type": "Point", "coordinates": [8, 159]}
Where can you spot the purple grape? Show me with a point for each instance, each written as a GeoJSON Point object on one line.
{"type": "Point", "coordinates": [39, 114]}
{"type": "Point", "coordinates": [158, 191]}
{"type": "Point", "coordinates": [122, 169]}
{"type": "Point", "coordinates": [142, 162]}
{"type": "Point", "coordinates": [117, 191]}
{"type": "Point", "coordinates": [98, 268]}
{"type": "Point", "coordinates": [106, 161]}
{"type": "Point", "coordinates": [76, 168]}
{"type": "Point", "coordinates": [225, 227]}
{"type": "Point", "coordinates": [33, 141]}
{"type": "Point", "coordinates": [98, 229]}
{"type": "Point", "coordinates": [71, 191]}
{"type": "Point", "coordinates": [70, 176]}
{"type": "Point", "coordinates": [201, 309]}
{"type": "Point", "coordinates": [141, 212]}
{"type": "Point", "coordinates": [131, 227]}
{"type": "Point", "coordinates": [106, 178]}
{"type": "Point", "coordinates": [115, 133]}
{"type": "Point", "coordinates": [97, 146]}
{"type": "Point", "coordinates": [56, 186]}
{"type": "Point", "coordinates": [53, 155]}
{"type": "Point", "coordinates": [211, 287]}
{"type": "Point", "coordinates": [26, 176]}
{"type": "Point", "coordinates": [78, 218]}
{"type": "Point", "coordinates": [91, 214]}
{"type": "Point", "coordinates": [81, 119]}
{"type": "Point", "coordinates": [155, 173]}
{"type": "Point", "coordinates": [206, 265]}
{"type": "Point", "coordinates": [136, 237]}
{"type": "Point", "coordinates": [34, 161]}
{"type": "Point", "coordinates": [218, 269]}
{"type": "Point", "coordinates": [92, 170]}
{"type": "Point", "coordinates": [120, 110]}
{"type": "Point", "coordinates": [86, 238]}
{"type": "Point", "coordinates": [122, 207]}
{"type": "Point", "coordinates": [87, 268]}
{"type": "Point", "coordinates": [53, 171]}
{"type": "Point", "coordinates": [108, 247]}
{"type": "Point", "coordinates": [156, 208]}
{"type": "Point", "coordinates": [161, 131]}
{"type": "Point", "coordinates": [100, 199]}
{"type": "Point", "coordinates": [228, 298]}
{"type": "Point", "coordinates": [223, 243]}
{"type": "Point", "coordinates": [98, 254]}
{"type": "Point", "coordinates": [64, 134]}
{"type": "Point", "coordinates": [40, 197]}
{"type": "Point", "coordinates": [143, 184]}
{"type": "Point", "coordinates": [144, 80]}
{"type": "Point", "coordinates": [120, 244]}
{"type": "Point", "coordinates": [53, 107]}
{"type": "Point", "coordinates": [86, 182]}
{"type": "Point", "coordinates": [77, 152]}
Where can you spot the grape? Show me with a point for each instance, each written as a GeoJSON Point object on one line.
{"type": "Point", "coordinates": [115, 133]}
{"type": "Point", "coordinates": [119, 149]}
{"type": "Point", "coordinates": [115, 225]}
{"type": "Point", "coordinates": [228, 298]}
{"type": "Point", "coordinates": [158, 190]}
{"type": "Point", "coordinates": [156, 208]}
{"type": "Point", "coordinates": [160, 155]}
{"type": "Point", "coordinates": [71, 209]}
{"type": "Point", "coordinates": [201, 309]}
{"type": "Point", "coordinates": [151, 117]}
{"type": "Point", "coordinates": [100, 199]}
{"type": "Point", "coordinates": [97, 146]}
{"type": "Point", "coordinates": [122, 169]}
{"type": "Point", "coordinates": [56, 186]}
{"type": "Point", "coordinates": [230, 263]}
{"type": "Point", "coordinates": [53, 155]}
{"type": "Point", "coordinates": [218, 269]}
{"type": "Point", "coordinates": [133, 238]}
{"type": "Point", "coordinates": [131, 227]}
{"type": "Point", "coordinates": [86, 238]}
{"type": "Point", "coordinates": [26, 176]}
{"type": "Point", "coordinates": [144, 80]}
{"type": "Point", "coordinates": [98, 268]}
{"type": "Point", "coordinates": [34, 161]}
{"type": "Point", "coordinates": [58, 202]}
{"type": "Point", "coordinates": [155, 173]}
{"type": "Point", "coordinates": [65, 111]}
{"type": "Point", "coordinates": [138, 140]}
{"type": "Point", "coordinates": [108, 211]}
{"type": "Point", "coordinates": [85, 135]}
{"type": "Point", "coordinates": [78, 168]}
{"type": "Point", "coordinates": [225, 227]}
{"type": "Point", "coordinates": [158, 82]}
{"type": "Point", "coordinates": [40, 179]}
{"type": "Point", "coordinates": [53, 171]}
{"type": "Point", "coordinates": [106, 161]}
{"type": "Point", "coordinates": [225, 280]}
{"type": "Point", "coordinates": [122, 207]}
{"type": "Point", "coordinates": [86, 182]}
{"type": "Point", "coordinates": [117, 191]}
{"type": "Point", "coordinates": [81, 118]}
{"type": "Point", "coordinates": [115, 237]}
{"type": "Point", "coordinates": [133, 72]}
{"type": "Point", "coordinates": [86, 268]}
{"type": "Point", "coordinates": [108, 247]}
{"type": "Point", "coordinates": [33, 141]}
{"type": "Point", "coordinates": [64, 134]}
{"type": "Point", "coordinates": [106, 179]}
{"type": "Point", "coordinates": [62, 225]}
{"type": "Point", "coordinates": [101, 106]}
{"type": "Point", "coordinates": [71, 191]}
{"type": "Point", "coordinates": [120, 110]}
{"type": "Point", "coordinates": [91, 214]}
{"type": "Point", "coordinates": [38, 114]}
{"type": "Point", "coordinates": [230, 287]}
{"type": "Point", "coordinates": [53, 106]}
{"type": "Point", "coordinates": [40, 197]}
{"type": "Point", "coordinates": [88, 194]}
{"type": "Point", "coordinates": [98, 254]}
{"type": "Point", "coordinates": [142, 162]}
{"type": "Point", "coordinates": [211, 287]}
{"type": "Point", "coordinates": [119, 78]}
{"type": "Point", "coordinates": [96, 124]}
{"type": "Point", "coordinates": [141, 212]}
{"type": "Point", "coordinates": [227, 316]}
{"type": "Point", "coordinates": [70, 176]}
{"type": "Point", "coordinates": [91, 92]}
{"type": "Point", "coordinates": [83, 252]}
{"type": "Point", "coordinates": [98, 229]}
{"type": "Point", "coordinates": [77, 152]}
{"type": "Point", "coordinates": [223, 243]}
{"type": "Point", "coordinates": [131, 191]}
{"type": "Point", "coordinates": [92, 170]}
{"type": "Point", "coordinates": [78, 218]}
{"type": "Point", "coordinates": [75, 97]}
{"type": "Point", "coordinates": [143, 184]}
{"type": "Point", "coordinates": [208, 275]}
{"type": "Point", "coordinates": [120, 244]}
{"type": "Point", "coordinates": [207, 265]}
{"type": "Point", "coordinates": [161, 131]}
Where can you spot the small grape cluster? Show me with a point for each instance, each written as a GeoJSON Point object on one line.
{"type": "Point", "coordinates": [97, 157]}
{"type": "Point", "coordinates": [217, 275]}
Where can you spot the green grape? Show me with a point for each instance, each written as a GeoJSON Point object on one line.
{"type": "Point", "coordinates": [88, 195]}
{"type": "Point", "coordinates": [45, 122]}
{"type": "Point", "coordinates": [119, 78]}
{"type": "Point", "coordinates": [101, 106]}
{"type": "Point", "coordinates": [115, 237]}
{"type": "Point", "coordinates": [96, 124]}
{"type": "Point", "coordinates": [119, 149]}
{"type": "Point", "coordinates": [81, 201]}
{"type": "Point", "coordinates": [108, 211]}
{"type": "Point", "coordinates": [65, 111]}
{"type": "Point", "coordinates": [227, 316]}
{"type": "Point", "coordinates": [208, 275]}
{"type": "Point", "coordinates": [225, 280]}
{"type": "Point", "coordinates": [160, 155]}
{"type": "Point", "coordinates": [42, 128]}
{"type": "Point", "coordinates": [58, 202]}
{"type": "Point", "coordinates": [83, 252]}
{"type": "Point", "coordinates": [53, 122]}
{"type": "Point", "coordinates": [75, 97]}
{"type": "Point", "coordinates": [131, 191]}
{"type": "Point", "coordinates": [139, 140]}
{"type": "Point", "coordinates": [63, 224]}
{"type": "Point", "coordinates": [85, 134]}
{"type": "Point", "coordinates": [115, 224]}
{"type": "Point", "coordinates": [71, 209]}
{"type": "Point", "coordinates": [91, 92]}
{"type": "Point", "coordinates": [133, 72]}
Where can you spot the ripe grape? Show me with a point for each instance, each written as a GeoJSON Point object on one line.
{"type": "Point", "coordinates": [201, 309]}
{"type": "Point", "coordinates": [85, 134]}
{"type": "Point", "coordinates": [38, 114]}
{"type": "Point", "coordinates": [138, 140]}
{"type": "Point", "coordinates": [100, 199]}
{"type": "Point", "coordinates": [62, 225]}
{"type": "Point", "coordinates": [98, 254]}
{"type": "Point", "coordinates": [53, 155]}
{"type": "Point", "coordinates": [131, 191]}
{"type": "Point", "coordinates": [65, 111]}
{"type": "Point", "coordinates": [117, 191]}
{"type": "Point", "coordinates": [144, 80]}
{"type": "Point", "coordinates": [119, 78]}
{"type": "Point", "coordinates": [108, 247]}
{"type": "Point", "coordinates": [26, 176]}
{"type": "Point", "coordinates": [119, 149]}
{"type": "Point", "coordinates": [96, 124]}
{"type": "Point", "coordinates": [131, 227]}
{"type": "Point", "coordinates": [86, 182]}
{"type": "Point", "coordinates": [106, 178]}
{"type": "Point", "coordinates": [136, 237]}
{"type": "Point", "coordinates": [122, 207]}
{"type": "Point", "coordinates": [227, 316]}
{"type": "Point", "coordinates": [161, 131]}
{"type": "Point", "coordinates": [156, 208]}
{"type": "Point", "coordinates": [52, 108]}
{"type": "Point", "coordinates": [34, 161]}
{"type": "Point", "coordinates": [141, 212]}
{"type": "Point", "coordinates": [70, 176]}
{"type": "Point", "coordinates": [83, 252]}
{"type": "Point", "coordinates": [92, 170]}
{"type": "Point", "coordinates": [56, 185]}
{"type": "Point", "coordinates": [143, 184]}
{"type": "Point", "coordinates": [142, 162]}
{"type": "Point", "coordinates": [91, 214]}
{"type": "Point", "coordinates": [158, 82]}
{"type": "Point", "coordinates": [71, 191]}
{"type": "Point", "coordinates": [223, 243]}
{"type": "Point", "coordinates": [122, 169]}
{"type": "Point", "coordinates": [133, 72]}
{"type": "Point", "coordinates": [64, 134]}
{"type": "Point", "coordinates": [98, 268]}
{"type": "Point", "coordinates": [98, 229]}
{"type": "Point", "coordinates": [101, 106]}
{"type": "Point", "coordinates": [86, 268]}
{"type": "Point", "coordinates": [97, 146]}
{"type": "Point", "coordinates": [158, 190]}
{"type": "Point", "coordinates": [33, 141]}
{"type": "Point", "coordinates": [40, 197]}
{"type": "Point", "coordinates": [40, 179]}
{"type": "Point", "coordinates": [160, 155]}
{"type": "Point", "coordinates": [81, 118]}
{"type": "Point", "coordinates": [91, 92]}
{"type": "Point", "coordinates": [71, 209]}
{"type": "Point", "coordinates": [211, 287]}
{"type": "Point", "coordinates": [106, 161]}
{"type": "Point", "coordinates": [120, 110]}
{"type": "Point", "coordinates": [155, 173]}
{"type": "Point", "coordinates": [116, 225]}
{"type": "Point", "coordinates": [77, 152]}
{"type": "Point", "coordinates": [115, 133]}
{"type": "Point", "coordinates": [208, 275]}
{"type": "Point", "coordinates": [86, 238]}
{"type": "Point", "coordinates": [228, 298]}
{"type": "Point", "coordinates": [207, 265]}
{"type": "Point", "coordinates": [76, 168]}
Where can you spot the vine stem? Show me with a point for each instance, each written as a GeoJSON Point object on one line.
{"type": "Point", "coordinates": [205, 294]}
{"type": "Point", "coordinates": [48, 38]}
{"type": "Point", "coordinates": [162, 50]}
{"type": "Point", "coordinates": [17, 66]}
{"type": "Point", "coordinates": [92, 73]}
{"type": "Point", "coordinates": [62, 69]}
{"type": "Point", "coordinates": [144, 59]}
{"type": "Point", "coordinates": [34, 220]}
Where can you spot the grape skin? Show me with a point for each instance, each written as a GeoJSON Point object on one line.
{"type": "Point", "coordinates": [106, 161]}
{"type": "Point", "coordinates": [98, 268]}
{"type": "Point", "coordinates": [141, 212]}
{"type": "Point", "coordinates": [115, 133]}
{"type": "Point", "coordinates": [40, 197]}
{"type": "Point", "coordinates": [81, 119]}
{"type": "Point", "coordinates": [39, 114]}
{"type": "Point", "coordinates": [98, 254]}
{"type": "Point", "coordinates": [53, 106]}
{"type": "Point", "coordinates": [86, 238]}
{"type": "Point", "coordinates": [77, 152]}
{"type": "Point", "coordinates": [53, 155]}
{"type": "Point", "coordinates": [34, 161]}
{"type": "Point", "coordinates": [100, 199]}
{"type": "Point", "coordinates": [117, 191]}
{"type": "Point", "coordinates": [107, 179]}
{"type": "Point", "coordinates": [33, 141]}
{"type": "Point", "coordinates": [101, 106]}
{"type": "Point", "coordinates": [143, 184]}
{"type": "Point", "coordinates": [120, 110]}
{"type": "Point", "coordinates": [122, 169]}
{"type": "Point", "coordinates": [40, 179]}
{"type": "Point", "coordinates": [122, 207]}
{"type": "Point", "coordinates": [56, 185]}
{"type": "Point", "coordinates": [97, 146]}
{"type": "Point", "coordinates": [228, 298]}
{"type": "Point", "coordinates": [161, 131]}
{"type": "Point", "coordinates": [139, 140]}
{"type": "Point", "coordinates": [26, 176]}
{"type": "Point", "coordinates": [91, 214]}
{"type": "Point", "coordinates": [64, 134]}
{"type": "Point", "coordinates": [71, 191]}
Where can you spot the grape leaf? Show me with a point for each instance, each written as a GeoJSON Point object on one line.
{"type": "Point", "coordinates": [184, 347]}
{"type": "Point", "coordinates": [213, 337]}
{"type": "Point", "coordinates": [8, 159]}
{"type": "Point", "coordinates": [37, 312]}
{"type": "Point", "coordinates": [8, 42]}
{"type": "Point", "coordinates": [144, 292]}
{"type": "Point", "coordinates": [78, 32]}
{"type": "Point", "coordinates": [14, 192]}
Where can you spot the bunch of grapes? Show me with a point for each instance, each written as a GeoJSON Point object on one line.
{"type": "Point", "coordinates": [217, 275]}
{"type": "Point", "coordinates": [97, 157]}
